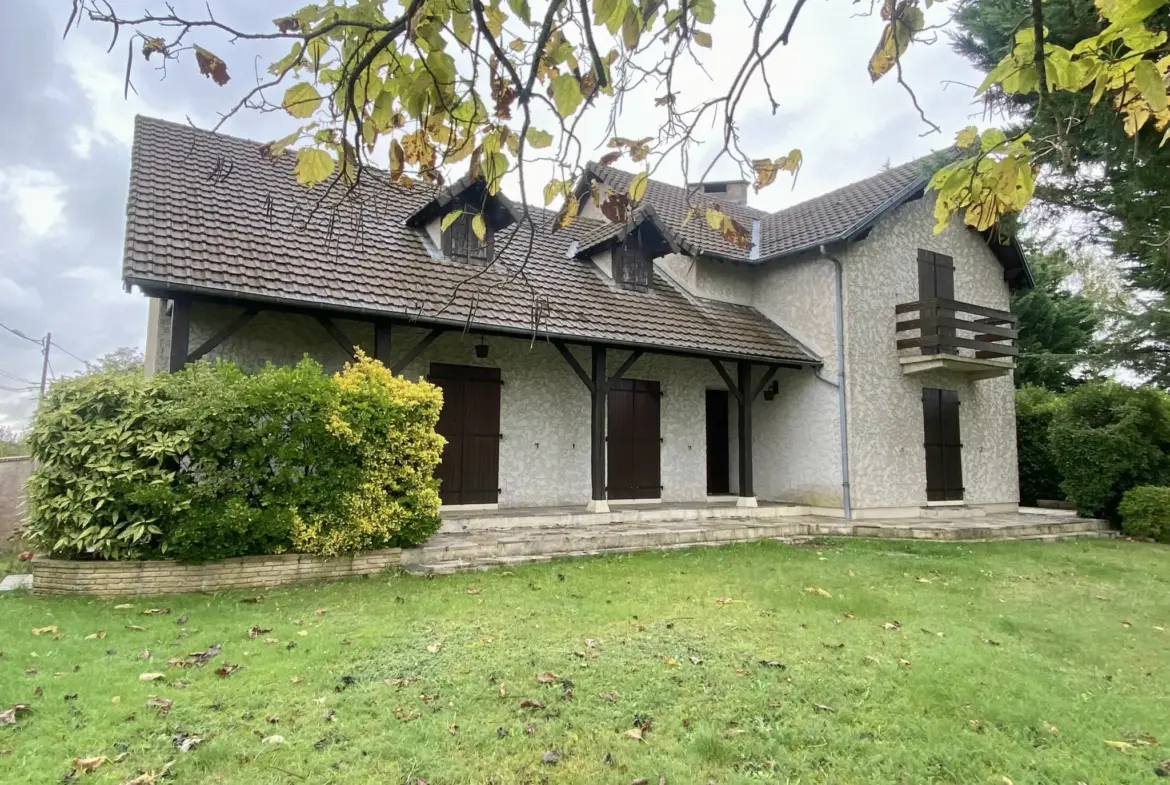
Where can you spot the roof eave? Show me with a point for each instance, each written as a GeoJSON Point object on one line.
{"type": "Point", "coordinates": [156, 288]}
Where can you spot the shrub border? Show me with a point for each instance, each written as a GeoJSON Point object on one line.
{"type": "Point", "coordinates": [118, 578]}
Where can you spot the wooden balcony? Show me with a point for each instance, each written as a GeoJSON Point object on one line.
{"type": "Point", "coordinates": [954, 336]}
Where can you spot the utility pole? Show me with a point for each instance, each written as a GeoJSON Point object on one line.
{"type": "Point", "coordinates": [45, 364]}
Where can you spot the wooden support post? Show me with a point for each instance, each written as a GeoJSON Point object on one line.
{"type": "Point", "coordinates": [382, 342]}
{"type": "Point", "coordinates": [335, 332]}
{"type": "Point", "coordinates": [418, 349]}
{"type": "Point", "coordinates": [180, 332]}
{"type": "Point", "coordinates": [225, 332]}
{"type": "Point", "coordinates": [597, 432]}
{"type": "Point", "coordinates": [747, 494]}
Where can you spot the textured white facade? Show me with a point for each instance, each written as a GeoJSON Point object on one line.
{"type": "Point", "coordinates": [544, 453]}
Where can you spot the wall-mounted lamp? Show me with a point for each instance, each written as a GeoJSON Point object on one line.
{"type": "Point", "coordinates": [771, 390]}
{"type": "Point", "coordinates": [483, 349]}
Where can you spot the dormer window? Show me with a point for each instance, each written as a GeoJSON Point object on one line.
{"type": "Point", "coordinates": [461, 243]}
{"type": "Point", "coordinates": [632, 265]}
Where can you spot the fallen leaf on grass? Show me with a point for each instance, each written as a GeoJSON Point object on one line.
{"type": "Point", "coordinates": [9, 716]}
{"type": "Point", "coordinates": [1126, 624]}
{"type": "Point", "coordinates": [272, 740]}
{"type": "Point", "coordinates": [817, 590]}
{"type": "Point", "coordinates": [89, 765]}
{"type": "Point", "coordinates": [402, 681]}
{"type": "Point", "coordinates": [591, 644]}
{"type": "Point", "coordinates": [531, 703]}
{"type": "Point", "coordinates": [1008, 781]}
{"type": "Point", "coordinates": [551, 757]}
{"type": "Point", "coordinates": [156, 611]}
{"type": "Point", "coordinates": [503, 691]}
{"type": "Point", "coordinates": [724, 601]}
{"type": "Point", "coordinates": [773, 664]}
{"type": "Point", "coordinates": [670, 660]}
{"type": "Point", "coordinates": [43, 630]}
{"type": "Point", "coordinates": [320, 612]}
{"type": "Point", "coordinates": [696, 660]}
{"type": "Point", "coordinates": [256, 631]}
{"type": "Point", "coordinates": [1119, 745]}
{"type": "Point", "coordinates": [611, 697]}
{"type": "Point", "coordinates": [123, 607]}
{"type": "Point", "coordinates": [144, 654]}
{"type": "Point", "coordinates": [186, 743]}
{"type": "Point", "coordinates": [634, 733]}
{"type": "Point", "coordinates": [227, 669]}
{"type": "Point", "coordinates": [474, 590]}
{"type": "Point", "coordinates": [136, 627]}
{"type": "Point", "coordinates": [96, 636]}
{"type": "Point", "coordinates": [991, 642]}
{"type": "Point", "coordinates": [181, 621]}
{"type": "Point", "coordinates": [872, 660]}
{"type": "Point", "coordinates": [833, 645]}
{"type": "Point", "coordinates": [162, 704]}
{"type": "Point", "coordinates": [548, 677]}
{"type": "Point", "coordinates": [272, 719]}
{"type": "Point", "coordinates": [848, 614]}
{"type": "Point", "coordinates": [303, 633]}
{"type": "Point", "coordinates": [822, 707]}
{"type": "Point", "coordinates": [30, 672]}
{"type": "Point", "coordinates": [434, 648]}
{"type": "Point", "coordinates": [904, 663]}
{"type": "Point", "coordinates": [530, 729]}
{"type": "Point", "coordinates": [1051, 728]}
{"type": "Point", "coordinates": [405, 715]}
{"type": "Point", "coordinates": [892, 625]}
{"type": "Point", "coordinates": [742, 672]}
{"type": "Point", "coordinates": [640, 781]}
{"type": "Point", "coordinates": [452, 729]}
{"type": "Point", "coordinates": [296, 679]}
{"type": "Point", "coordinates": [151, 676]}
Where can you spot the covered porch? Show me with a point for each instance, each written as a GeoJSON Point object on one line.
{"type": "Point", "coordinates": [535, 423]}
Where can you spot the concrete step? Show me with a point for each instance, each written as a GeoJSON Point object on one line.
{"type": "Point", "coordinates": [467, 551]}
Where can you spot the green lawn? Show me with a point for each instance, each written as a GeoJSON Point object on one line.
{"type": "Point", "coordinates": [1013, 662]}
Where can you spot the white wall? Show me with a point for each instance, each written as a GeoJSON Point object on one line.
{"type": "Point", "coordinates": [544, 406]}
{"type": "Point", "coordinates": [885, 415]}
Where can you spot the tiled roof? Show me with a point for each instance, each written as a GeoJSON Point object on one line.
{"type": "Point", "coordinates": [836, 216]}
{"type": "Point", "coordinates": [208, 214]}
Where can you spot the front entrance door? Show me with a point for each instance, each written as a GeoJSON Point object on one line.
{"type": "Point", "coordinates": [470, 422]}
{"type": "Point", "coordinates": [944, 448]}
{"type": "Point", "coordinates": [718, 443]}
{"type": "Point", "coordinates": [634, 444]}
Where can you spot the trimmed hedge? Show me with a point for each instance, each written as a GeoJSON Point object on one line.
{"type": "Point", "coordinates": [1107, 438]}
{"type": "Point", "coordinates": [212, 462]}
{"type": "Point", "coordinates": [1145, 512]}
{"type": "Point", "coordinates": [1040, 477]}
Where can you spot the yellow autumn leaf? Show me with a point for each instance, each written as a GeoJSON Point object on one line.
{"type": "Point", "coordinates": [301, 100]}
{"type": "Point", "coordinates": [449, 219]}
{"type": "Point", "coordinates": [637, 187]}
{"type": "Point", "coordinates": [479, 226]}
{"type": "Point", "coordinates": [313, 166]}
{"type": "Point", "coordinates": [714, 218]}
{"type": "Point", "coordinates": [966, 137]}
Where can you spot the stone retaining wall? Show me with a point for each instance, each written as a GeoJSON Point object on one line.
{"type": "Point", "coordinates": [111, 578]}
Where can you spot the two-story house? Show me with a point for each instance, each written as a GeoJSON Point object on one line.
{"type": "Point", "coordinates": [850, 360]}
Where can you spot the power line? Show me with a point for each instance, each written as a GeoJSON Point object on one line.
{"type": "Point", "coordinates": [14, 377]}
{"type": "Point", "coordinates": [19, 334]}
{"type": "Point", "coordinates": [71, 354]}
{"type": "Point", "coordinates": [18, 389]}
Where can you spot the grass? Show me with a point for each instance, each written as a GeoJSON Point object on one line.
{"type": "Point", "coordinates": [1013, 660]}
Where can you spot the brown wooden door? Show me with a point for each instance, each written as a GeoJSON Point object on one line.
{"type": "Point", "coordinates": [634, 443]}
{"type": "Point", "coordinates": [936, 278]}
{"type": "Point", "coordinates": [944, 447]}
{"type": "Point", "coordinates": [470, 422]}
{"type": "Point", "coordinates": [718, 443]}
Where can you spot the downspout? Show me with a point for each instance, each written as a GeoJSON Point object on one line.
{"type": "Point", "coordinates": [843, 414]}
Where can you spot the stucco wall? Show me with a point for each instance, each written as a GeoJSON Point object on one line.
{"type": "Point", "coordinates": [13, 474]}
{"type": "Point", "coordinates": [885, 414]}
{"type": "Point", "coordinates": [544, 407]}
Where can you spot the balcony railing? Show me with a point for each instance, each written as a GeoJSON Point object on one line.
{"type": "Point", "coordinates": [955, 329]}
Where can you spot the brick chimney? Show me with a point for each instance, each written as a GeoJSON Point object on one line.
{"type": "Point", "coordinates": [727, 191]}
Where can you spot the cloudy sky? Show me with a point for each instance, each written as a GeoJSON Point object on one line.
{"type": "Point", "coordinates": [64, 149]}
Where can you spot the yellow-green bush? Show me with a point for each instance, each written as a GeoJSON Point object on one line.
{"type": "Point", "coordinates": [1145, 512]}
{"type": "Point", "coordinates": [212, 462]}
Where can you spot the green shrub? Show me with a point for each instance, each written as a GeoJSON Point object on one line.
{"type": "Point", "coordinates": [105, 479]}
{"type": "Point", "coordinates": [212, 462]}
{"type": "Point", "coordinates": [1040, 477]}
{"type": "Point", "coordinates": [1145, 512]}
{"type": "Point", "coordinates": [1107, 438]}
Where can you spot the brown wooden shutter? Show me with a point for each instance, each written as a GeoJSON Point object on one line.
{"type": "Point", "coordinates": [936, 279]}
{"type": "Point", "coordinates": [943, 445]}
{"type": "Point", "coordinates": [634, 442]}
{"type": "Point", "coordinates": [469, 471]}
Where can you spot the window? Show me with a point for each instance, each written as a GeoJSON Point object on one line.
{"type": "Point", "coordinates": [460, 242]}
{"type": "Point", "coordinates": [714, 188]}
{"type": "Point", "coordinates": [632, 265]}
